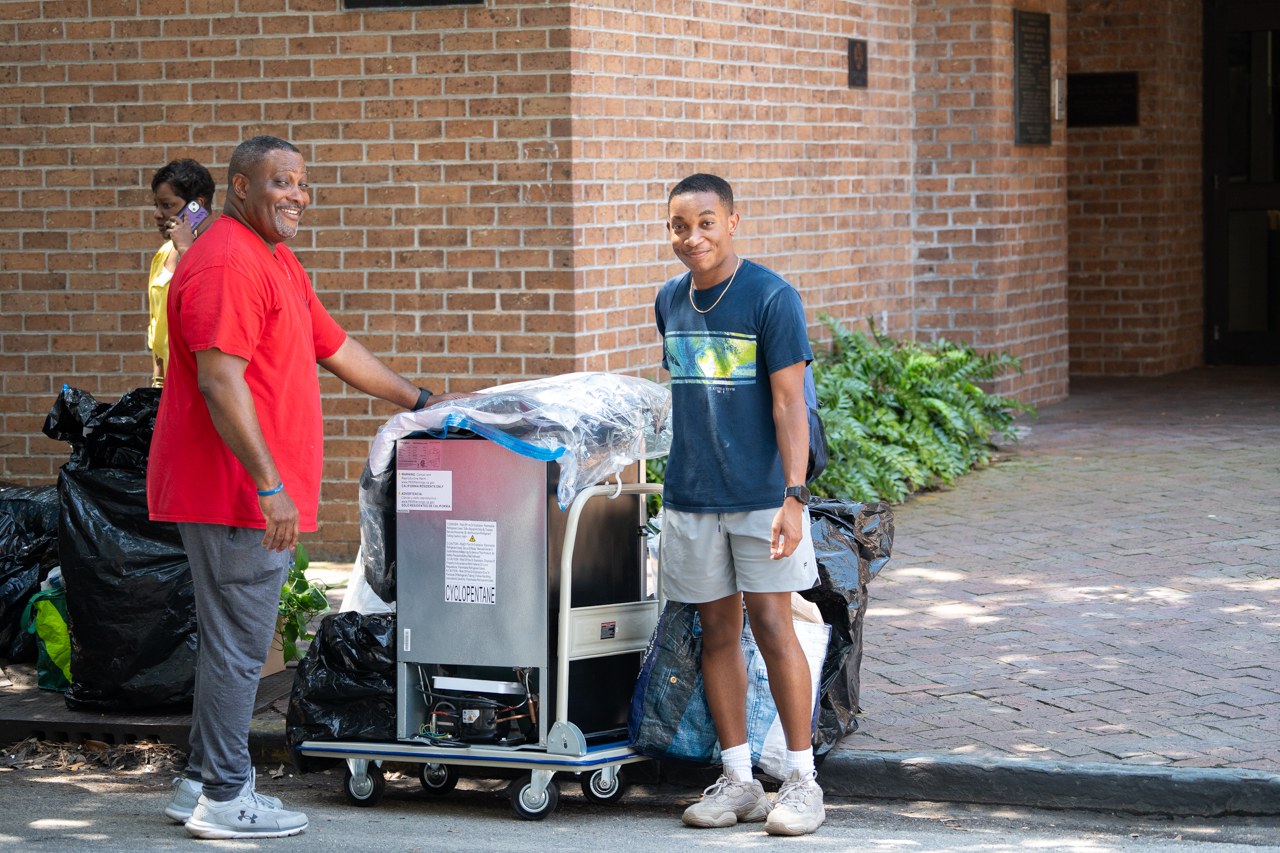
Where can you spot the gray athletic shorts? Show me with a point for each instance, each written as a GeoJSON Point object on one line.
{"type": "Point", "coordinates": [709, 556]}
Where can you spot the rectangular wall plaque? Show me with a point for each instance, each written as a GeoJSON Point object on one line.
{"type": "Point", "coordinates": [1032, 92]}
{"type": "Point", "coordinates": [857, 63]}
{"type": "Point", "coordinates": [406, 4]}
{"type": "Point", "coordinates": [1102, 100]}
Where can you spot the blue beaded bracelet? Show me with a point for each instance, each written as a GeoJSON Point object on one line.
{"type": "Point", "coordinates": [271, 492]}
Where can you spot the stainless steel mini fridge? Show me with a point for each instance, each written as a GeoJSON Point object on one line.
{"type": "Point", "coordinates": [478, 553]}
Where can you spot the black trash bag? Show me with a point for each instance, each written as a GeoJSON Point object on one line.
{"type": "Point", "coordinates": [67, 419]}
{"type": "Point", "coordinates": [28, 552]}
{"type": "Point", "coordinates": [34, 508]}
{"type": "Point", "coordinates": [378, 532]}
{"type": "Point", "coordinates": [130, 600]}
{"type": "Point", "coordinates": [105, 435]}
{"type": "Point", "coordinates": [18, 582]}
{"type": "Point", "coordinates": [852, 541]}
{"type": "Point", "coordinates": [345, 687]}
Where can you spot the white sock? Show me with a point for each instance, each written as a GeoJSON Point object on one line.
{"type": "Point", "coordinates": [801, 760]}
{"type": "Point", "coordinates": [737, 759]}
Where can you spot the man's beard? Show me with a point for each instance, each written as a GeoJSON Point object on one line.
{"type": "Point", "coordinates": [285, 227]}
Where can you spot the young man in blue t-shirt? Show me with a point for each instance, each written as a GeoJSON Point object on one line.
{"type": "Point", "coordinates": [735, 523]}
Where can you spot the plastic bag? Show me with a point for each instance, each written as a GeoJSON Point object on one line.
{"type": "Point", "coordinates": [130, 600]}
{"type": "Point", "coordinates": [34, 508]}
{"type": "Point", "coordinates": [669, 718]}
{"type": "Point", "coordinates": [345, 687]}
{"type": "Point", "coordinates": [595, 424]}
{"type": "Point", "coordinates": [376, 561]}
{"type": "Point", "coordinates": [359, 596]}
{"type": "Point", "coordinates": [18, 580]}
{"type": "Point", "coordinates": [71, 411]}
{"type": "Point", "coordinates": [105, 435]}
{"type": "Point", "coordinates": [852, 541]}
{"type": "Point", "coordinates": [46, 618]}
{"type": "Point", "coordinates": [28, 551]}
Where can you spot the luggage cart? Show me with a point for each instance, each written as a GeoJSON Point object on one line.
{"type": "Point", "coordinates": [534, 792]}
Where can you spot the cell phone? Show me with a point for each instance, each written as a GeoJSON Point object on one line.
{"type": "Point", "coordinates": [195, 214]}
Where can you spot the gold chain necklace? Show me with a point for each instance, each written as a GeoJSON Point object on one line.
{"type": "Point", "coordinates": [722, 293]}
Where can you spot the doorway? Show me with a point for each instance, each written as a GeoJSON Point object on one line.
{"type": "Point", "coordinates": [1242, 182]}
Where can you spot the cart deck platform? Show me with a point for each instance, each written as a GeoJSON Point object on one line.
{"type": "Point", "coordinates": [534, 794]}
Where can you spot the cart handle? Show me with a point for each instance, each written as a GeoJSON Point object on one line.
{"type": "Point", "coordinates": [566, 580]}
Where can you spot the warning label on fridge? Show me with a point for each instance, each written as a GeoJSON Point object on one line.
{"type": "Point", "coordinates": [471, 562]}
{"type": "Point", "coordinates": [419, 455]}
{"type": "Point", "coordinates": [429, 490]}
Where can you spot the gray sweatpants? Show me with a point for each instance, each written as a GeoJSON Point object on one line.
{"type": "Point", "coordinates": [237, 589]}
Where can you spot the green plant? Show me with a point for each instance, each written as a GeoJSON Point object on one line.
{"type": "Point", "coordinates": [301, 600]}
{"type": "Point", "coordinates": [902, 415]}
{"type": "Point", "coordinates": [654, 472]}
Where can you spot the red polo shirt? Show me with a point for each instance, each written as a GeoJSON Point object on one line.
{"type": "Point", "coordinates": [231, 293]}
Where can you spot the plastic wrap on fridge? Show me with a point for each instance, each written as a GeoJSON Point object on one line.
{"type": "Point", "coordinates": [593, 424]}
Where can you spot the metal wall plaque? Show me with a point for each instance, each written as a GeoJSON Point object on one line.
{"type": "Point", "coordinates": [857, 63]}
{"type": "Point", "coordinates": [1102, 100]}
{"type": "Point", "coordinates": [406, 4]}
{"type": "Point", "coordinates": [1032, 89]}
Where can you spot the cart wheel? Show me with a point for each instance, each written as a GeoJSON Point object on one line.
{"type": "Point", "coordinates": [438, 779]}
{"type": "Point", "coordinates": [364, 791]}
{"type": "Point", "coordinates": [527, 807]}
{"type": "Point", "coordinates": [597, 790]}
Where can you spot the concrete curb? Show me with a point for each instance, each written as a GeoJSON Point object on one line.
{"type": "Point", "coordinates": [1140, 789]}
{"type": "Point", "coordinates": [1036, 783]}
{"type": "Point", "coordinates": [266, 742]}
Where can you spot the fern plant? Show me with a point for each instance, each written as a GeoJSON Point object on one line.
{"type": "Point", "coordinates": [900, 415]}
{"type": "Point", "coordinates": [903, 415]}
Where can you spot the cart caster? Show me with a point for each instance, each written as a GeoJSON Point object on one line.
{"type": "Point", "coordinates": [605, 786]}
{"type": "Point", "coordinates": [438, 779]}
{"type": "Point", "coordinates": [363, 785]}
{"type": "Point", "coordinates": [529, 806]}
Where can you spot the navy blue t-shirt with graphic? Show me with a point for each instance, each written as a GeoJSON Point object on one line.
{"type": "Point", "coordinates": [724, 450]}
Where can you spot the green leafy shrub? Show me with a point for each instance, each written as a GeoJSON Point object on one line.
{"type": "Point", "coordinates": [301, 600]}
{"type": "Point", "coordinates": [903, 415]}
{"type": "Point", "coordinates": [900, 415]}
{"type": "Point", "coordinates": [655, 470]}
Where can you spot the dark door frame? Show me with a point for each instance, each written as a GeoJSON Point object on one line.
{"type": "Point", "coordinates": [1221, 346]}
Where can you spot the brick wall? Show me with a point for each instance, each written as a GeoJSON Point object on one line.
{"type": "Point", "coordinates": [990, 223]}
{"type": "Point", "coordinates": [1136, 238]}
{"type": "Point", "coordinates": [757, 93]}
{"type": "Point", "coordinates": [491, 182]}
{"type": "Point", "coordinates": [440, 230]}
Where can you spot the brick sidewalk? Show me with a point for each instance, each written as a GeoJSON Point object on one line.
{"type": "Point", "coordinates": [1110, 592]}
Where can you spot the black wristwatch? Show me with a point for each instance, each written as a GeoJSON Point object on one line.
{"type": "Point", "coordinates": [422, 399]}
{"type": "Point", "coordinates": [800, 493]}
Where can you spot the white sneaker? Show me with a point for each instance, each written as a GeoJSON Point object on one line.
{"type": "Point", "coordinates": [249, 815]}
{"type": "Point", "coordinates": [727, 802]}
{"type": "Point", "coordinates": [797, 807]}
{"type": "Point", "coordinates": [186, 793]}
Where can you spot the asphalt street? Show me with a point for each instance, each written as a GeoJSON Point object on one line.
{"type": "Point", "coordinates": [56, 811]}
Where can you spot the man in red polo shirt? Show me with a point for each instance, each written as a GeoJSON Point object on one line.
{"type": "Point", "coordinates": [236, 461]}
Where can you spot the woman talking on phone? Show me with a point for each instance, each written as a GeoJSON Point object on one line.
{"type": "Point", "coordinates": [183, 193]}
